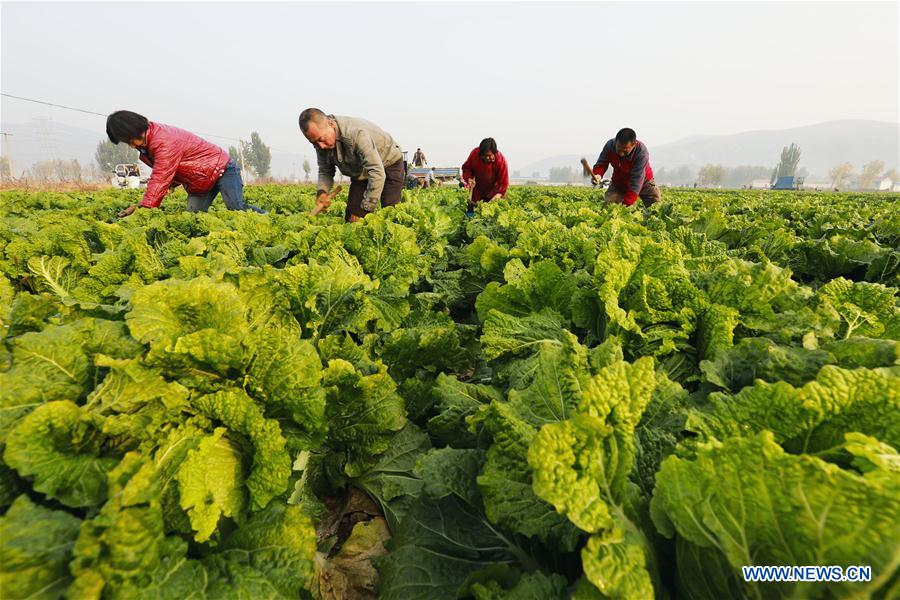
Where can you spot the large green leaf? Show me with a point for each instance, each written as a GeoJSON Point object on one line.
{"type": "Point", "coordinates": [61, 447]}
{"type": "Point", "coordinates": [36, 550]}
{"type": "Point", "coordinates": [211, 482]}
{"type": "Point", "coordinates": [196, 323]}
{"type": "Point", "coordinates": [271, 462]}
{"type": "Point", "coordinates": [750, 500]}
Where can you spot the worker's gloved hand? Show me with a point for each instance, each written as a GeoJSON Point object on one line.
{"type": "Point", "coordinates": [367, 203]}
{"type": "Point", "coordinates": [630, 198]}
{"type": "Point", "coordinates": [471, 182]}
{"type": "Point", "coordinates": [595, 180]}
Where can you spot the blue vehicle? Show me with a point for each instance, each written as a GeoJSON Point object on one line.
{"type": "Point", "coordinates": [788, 182]}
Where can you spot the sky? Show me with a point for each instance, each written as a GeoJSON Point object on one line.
{"type": "Point", "coordinates": [543, 79]}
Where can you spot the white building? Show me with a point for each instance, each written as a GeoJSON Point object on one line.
{"type": "Point", "coordinates": [816, 185]}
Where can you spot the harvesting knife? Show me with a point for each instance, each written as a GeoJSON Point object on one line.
{"type": "Point", "coordinates": [588, 172]}
{"type": "Point", "coordinates": [322, 206]}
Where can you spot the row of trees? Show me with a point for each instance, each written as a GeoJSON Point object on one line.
{"type": "Point", "coordinates": [54, 171]}
{"type": "Point", "coordinates": [714, 175]}
{"type": "Point", "coordinates": [565, 175]}
{"type": "Point", "coordinates": [869, 177]}
{"type": "Point", "coordinates": [839, 176]}
{"type": "Point", "coordinates": [62, 171]}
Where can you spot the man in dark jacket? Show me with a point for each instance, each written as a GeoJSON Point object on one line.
{"type": "Point", "coordinates": [178, 157]}
{"type": "Point", "coordinates": [632, 176]}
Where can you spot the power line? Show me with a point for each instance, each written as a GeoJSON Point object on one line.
{"type": "Point", "coordinates": [92, 112]}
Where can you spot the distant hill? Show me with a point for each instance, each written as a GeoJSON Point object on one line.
{"type": "Point", "coordinates": [823, 145]}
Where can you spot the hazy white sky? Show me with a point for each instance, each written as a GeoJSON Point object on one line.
{"type": "Point", "coordinates": [543, 79]}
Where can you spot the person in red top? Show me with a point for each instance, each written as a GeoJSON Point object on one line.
{"type": "Point", "coordinates": [178, 157]}
{"type": "Point", "coordinates": [632, 176]}
{"type": "Point", "coordinates": [485, 172]}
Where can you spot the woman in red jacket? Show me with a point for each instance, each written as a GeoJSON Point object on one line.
{"type": "Point", "coordinates": [178, 157]}
{"type": "Point", "coordinates": [486, 173]}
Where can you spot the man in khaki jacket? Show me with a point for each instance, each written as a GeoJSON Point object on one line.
{"type": "Point", "coordinates": [362, 151]}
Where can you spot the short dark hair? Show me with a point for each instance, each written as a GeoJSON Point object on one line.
{"type": "Point", "coordinates": [310, 114]}
{"type": "Point", "coordinates": [487, 145]}
{"type": "Point", "coordinates": [626, 136]}
{"type": "Point", "coordinates": [124, 126]}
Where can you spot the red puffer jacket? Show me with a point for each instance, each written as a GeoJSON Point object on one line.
{"type": "Point", "coordinates": [490, 178]}
{"type": "Point", "coordinates": [180, 156]}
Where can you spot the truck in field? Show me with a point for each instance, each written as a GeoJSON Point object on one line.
{"type": "Point", "coordinates": [129, 176]}
{"type": "Point", "coordinates": [788, 182]}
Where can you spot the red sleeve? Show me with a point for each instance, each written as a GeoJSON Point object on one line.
{"type": "Point", "coordinates": [501, 182]}
{"type": "Point", "coordinates": [467, 170]}
{"type": "Point", "coordinates": [603, 160]}
{"type": "Point", "coordinates": [630, 198]}
{"type": "Point", "coordinates": [165, 163]}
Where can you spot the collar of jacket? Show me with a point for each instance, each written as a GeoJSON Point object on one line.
{"type": "Point", "coordinates": [145, 149]}
{"type": "Point", "coordinates": [149, 134]}
{"type": "Point", "coordinates": [338, 149]}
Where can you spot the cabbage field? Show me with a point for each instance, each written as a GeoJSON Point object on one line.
{"type": "Point", "coordinates": [554, 399]}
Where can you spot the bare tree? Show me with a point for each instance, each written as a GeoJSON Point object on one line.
{"type": "Point", "coordinates": [55, 171]}
{"type": "Point", "coordinates": [306, 168]}
{"type": "Point", "coordinates": [869, 174]}
{"type": "Point", "coordinates": [67, 170]}
{"type": "Point", "coordinates": [42, 171]}
{"type": "Point", "coordinates": [5, 169]}
{"type": "Point", "coordinates": [839, 174]}
{"type": "Point", "coordinates": [92, 172]}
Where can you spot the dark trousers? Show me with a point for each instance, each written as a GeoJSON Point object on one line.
{"type": "Point", "coordinates": [649, 193]}
{"type": "Point", "coordinates": [391, 194]}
